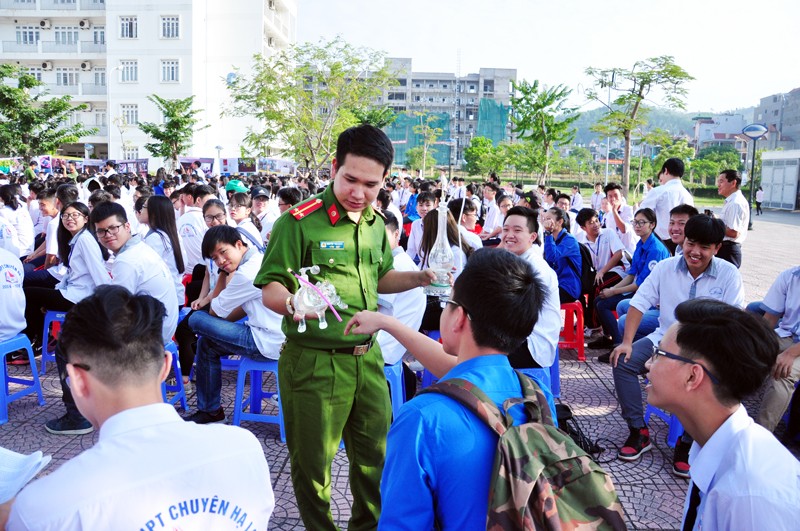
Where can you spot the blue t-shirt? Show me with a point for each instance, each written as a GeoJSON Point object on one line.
{"type": "Point", "coordinates": [646, 256]}
{"type": "Point", "coordinates": [411, 208]}
{"type": "Point", "coordinates": [439, 455]}
{"type": "Point", "coordinates": [564, 256]}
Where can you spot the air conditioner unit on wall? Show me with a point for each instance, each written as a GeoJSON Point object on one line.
{"type": "Point", "coordinates": [47, 65]}
{"type": "Point", "coordinates": [88, 108]}
{"type": "Point", "coordinates": [271, 42]}
{"type": "Point", "coordinates": [44, 23]}
{"type": "Point", "coordinates": [271, 4]}
{"type": "Point", "coordinates": [86, 65]}
{"type": "Point", "coordinates": [84, 24]}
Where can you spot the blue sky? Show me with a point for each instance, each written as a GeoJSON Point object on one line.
{"type": "Point", "coordinates": [738, 51]}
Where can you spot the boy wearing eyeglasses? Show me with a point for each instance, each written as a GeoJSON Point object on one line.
{"type": "Point", "coordinates": [693, 275]}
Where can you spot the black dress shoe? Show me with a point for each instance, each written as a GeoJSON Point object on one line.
{"type": "Point", "coordinates": [601, 342]}
{"type": "Point", "coordinates": [605, 358]}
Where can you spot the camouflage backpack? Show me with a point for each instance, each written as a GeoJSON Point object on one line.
{"type": "Point", "coordinates": [541, 479]}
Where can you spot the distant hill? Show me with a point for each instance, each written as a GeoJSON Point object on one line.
{"type": "Point", "coordinates": [675, 122]}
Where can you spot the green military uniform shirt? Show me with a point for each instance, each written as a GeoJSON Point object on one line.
{"type": "Point", "coordinates": [351, 256]}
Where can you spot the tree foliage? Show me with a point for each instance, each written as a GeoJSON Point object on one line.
{"type": "Point", "coordinates": [380, 117]}
{"type": "Point", "coordinates": [541, 116]}
{"type": "Point", "coordinates": [31, 122]}
{"type": "Point", "coordinates": [427, 130]}
{"type": "Point", "coordinates": [306, 95]}
{"type": "Point", "coordinates": [711, 161]}
{"type": "Point", "coordinates": [480, 156]}
{"type": "Point", "coordinates": [418, 159]}
{"type": "Point", "coordinates": [173, 137]}
{"type": "Point", "coordinates": [657, 77]}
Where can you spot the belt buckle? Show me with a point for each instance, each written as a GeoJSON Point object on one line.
{"type": "Point", "coordinates": [360, 350]}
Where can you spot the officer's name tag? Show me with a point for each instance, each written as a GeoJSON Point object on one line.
{"type": "Point", "coordinates": [331, 245]}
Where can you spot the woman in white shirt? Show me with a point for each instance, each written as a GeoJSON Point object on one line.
{"type": "Point", "coordinates": [240, 206]}
{"type": "Point", "coordinates": [18, 216]}
{"type": "Point", "coordinates": [84, 259]}
{"type": "Point", "coordinates": [162, 237]}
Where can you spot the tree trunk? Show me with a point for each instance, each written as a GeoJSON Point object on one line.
{"type": "Point", "coordinates": [626, 164]}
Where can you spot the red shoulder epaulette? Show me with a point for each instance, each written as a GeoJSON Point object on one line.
{"type": "Point", "coordinates": [301, 211]}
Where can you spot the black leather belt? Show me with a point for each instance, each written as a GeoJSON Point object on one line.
{"type": "Point", "coordinates": [358, 350]}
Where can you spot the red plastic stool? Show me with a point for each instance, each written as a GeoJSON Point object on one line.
{"type": "Point", "coordinates": [572, 333]}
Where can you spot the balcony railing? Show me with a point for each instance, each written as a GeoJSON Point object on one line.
{"type": "Point", "coordinates": [16, 47]}
{"type": "Point", "coordinates": [93, 89]}
{"type": "Point", "coordinates": [92, 4]}
{"type": "Point", "coordinates": [53, 47]}
{"type": "Point", "coordinates": [59, 47]}
{"type": "Point", "coordinates": [16, 4]}
{"type": "Point", "coordinates": [60, 5]}
{"type": "Point", "coordinates": [53, 5]}
{"type": "Point", "coordinates": [60, 90]}
{"type": "Point", "coordinates": [91, 47]}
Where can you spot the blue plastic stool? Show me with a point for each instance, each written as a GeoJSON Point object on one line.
{"type": "Point", "coordinates": [675, 427]}
{"type": "Point", "coordinates": [178, 389]}
{"type": "Point", "coordinates": [397, 387]}
{"type": "Point", "coordinates": [256, 368]}
{"type": "Point", "coordinates": [555, 376]}
{"type": "Point", "coordinates": [31, 386]}
{"type": "Point", "coordinates": [47, 355]}
{"type": "Point", "coordinates": [183, 312]}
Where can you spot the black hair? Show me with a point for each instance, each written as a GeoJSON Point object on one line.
{"type": "Point", "coordinates": [562, 196]}
{"type": "Point", "coordinates": [289, 195]}
{"type": "Point", "coordinates": [648, 213]}
{"type": "Point", "coordinates": [245, 200]}
{"type": "Point", "coordinates": [502, 295]}
{"type": "Point", "coordinates": [202, 190]}
{"type": "Point", "coordinates": [214, 202]}
{"type": "Point", "coordinates": [188, 189]}
{"type": "Point", "coordinates": [430, 230]}
{"type": "Point", "coordinates": [220, 234]}
{"type": "Point", "coordinates": [67, 193]}
{"type": "Point", "coordinates": [492, 185]}
{"type": "Point", "coordinates": [684, 208]}
{"type": "Point", "coordinates": [114, 190]}
{"type": "Point", "coordinates": [384, 198]}
{"type": "Point", "coordinates": [63, 236]}
{"type": "Point", "coordinates": [552, 192]}
{"type": "Point", "coordinates": [426, 197]}
{"type": "Point", "coordinates": [612, 186]}
{"type": "Point", "coordinates": [585, 215]}
{"type": "Point", "coordinates": [732, 175]}
{"type": "Point", "coordinates": [457, 207]}
{"type": "Point", "coordinates": [117, 334]}
{"type": "Point", "coordinates": [739, 348]}
{"type": "Point", "coordinates": [8, 196]}
{"type": "Point", "coordinates": [140, 203]}
{"type": "Point", "coordinates": [36, 187]}
{"type": "Point", "coordinates": [705, 230]}
{"type": "Point", "coordinates": [530, 215]}
{"type": "Point", "coordinates": [562, 216]}
{"type": "Point", "coordinates": [144, 190]}
{"type": "Point", "coordinates": [111, 163]}
{"type": "Point", "coordinates": [390, 220]}
{"type": "Point", "coordinates": [47, 194]}
{"type": "Point", "coordinates": [425, 186]}
{"type": "Point", "coordinates": [161, 218]}
{"type": "Point", "coordinates": [674, 166]}
{"type": "Point", "coordinates": [98, 196]}
{"type": "Point", "coordinates": [365, 141]}
{"type": "Point", "coordinates": [106, 209]}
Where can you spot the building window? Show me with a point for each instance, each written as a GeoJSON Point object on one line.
{"type": "Point", "coordinates": [444, 86]}
{"type": "Point", "coordinates": [35, 72]}
{"type": "Point", "coordinates": [430, 85]}
{"type": "Point", "coordinates": [129, 71]}
{"type": "Point", "coordinates": [170, 71]}
{"type": "Point", "coordinates": [417, 85]}
{"type": "Point", "coordinates": [27, 35]}
{"type": "Point", "coordinates": [170, 28]}
{"type": "Point", "coordinates": [130, 152]}
{"type": "Point", "coordinates": [100, 77]}
{"type": "Point", "coordinates": [401, 82]}
{"type": "Point", "coordinates": [99, 34]}
{"type": "Point", "coordinates": [128, 27]}
{"type": "Point", "coordinates": [66, 35]}
{"type": "Point", "coordinates": [130, 113]}
{"type": "Point", "coordinates": [66, 77]}
{"type": "Point", "coordinates": [417, 98]}
{"type": "Point", "coordinates": [100, 117]}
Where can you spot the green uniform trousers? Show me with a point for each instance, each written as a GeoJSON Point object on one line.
{"type": "Point", "coordinates": [326, 398]}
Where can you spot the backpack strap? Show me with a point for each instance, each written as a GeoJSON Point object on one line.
{"type": "Point", "coordinates": [471, 397]}
{"type": "Point", "coordinates": [256, 243]}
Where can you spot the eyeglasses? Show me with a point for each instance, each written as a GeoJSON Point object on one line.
{"type": "Point", "coordinates": [236, 207]}
{"type": "Point", "coordinates": [283, 204]}
{"type": "Point", "coordinates": [73, 215]}
{"type": "Point", "coordinates": [218, 217]}
{"type": "Point", "coordinates": [447, 300]}
{"type": "Point", "coordinates": [658, 352]}
{"type": "Point", "coordinates": [112, 230]}
{"type": "Point", "coordinates": [640, 223]}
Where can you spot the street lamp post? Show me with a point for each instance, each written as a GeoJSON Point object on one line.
{"type": "Point", "coordinates": [753, 132]}
{"type": "Point", "coordinates": [219, 160]}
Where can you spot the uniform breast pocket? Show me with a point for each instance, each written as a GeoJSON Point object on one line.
{"type": "Point", "coordinates": [328, 259]}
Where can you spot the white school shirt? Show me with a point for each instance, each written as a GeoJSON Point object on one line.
{"type": "Point", "coordinates": [576, 201]}
{"type": "Point", "coordinates": [670, 283]}
{"type": "Point", "coordinates": [606, 244]}
{"type": "Point", "coordinates": [396, 211]}
{"type": "Point", "coordinates": [597, 200]}
{"type": "Point", "coordinates": [39, 221]}
{"type": "Point", "coordinates": [543, 341]}
{"type": "Point", "coordinates": [51, 247]}
{"type": "Point", "coordinates": [8, 237]}
{"type": "Point", "coordinates": [759, 196]}
{"type": "Point", "coordinates": [747, 478]}
{"type": "Point", "coordinates": [86, 270]}
{"type": "Point", "coordinates": [664, 198]}
{"type": "Point", "coordinates": [21, 220]}
{"type": "Point", "coordinates": [472, 239]}
{"type": "Point", "coordinates": [12, 297]}
{"type": "Point", "coordinates": [628, 238]}
{"type": "Point", "coordinates": [140, 269]}
{"type": "Point", "coordinates": [493, 218]}
{"type": "Point", "coordinates": [264, 324]}
{"type": "Point", "coordinates": [191, 229]}
{"type": "Point", "coordinates": [783, 298]}
{"type": "Point", "coordinates": [406, 306]}
{"type": "Point", "coordinates": [130, 480]}
{"type": "Point", "coordinates": [736, 215]}
{"type": "Point", "coordinates": [161, 244]}
{"type": "Point", "coordinates": [415, 239]}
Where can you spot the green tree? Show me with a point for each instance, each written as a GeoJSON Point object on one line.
{"type": "Point", "coordinates": [417, 158]}
{"type": "Point", "coordinates": [380, 117]}
{"type": "Point", "coordinates": [541, 116]}
{"type": "Point", "coordinates": [480, 156]}
{"type": "Point", "coordinates": [712, 160]}
{"type": "Point", "coordinates": [524, 156]}
{"type": "Point", "coordinates": [654, 77]}
{"type": "Point", "coordinates": [173, 137]}
{"type": "Point", "coordinates": [31, 122]}
{"type": "Point", "coordinates": [678, 148]}
{"type": "Point", "coordinates": [306, 95]}
{"type": "Point", "coordinates": [426, 128]}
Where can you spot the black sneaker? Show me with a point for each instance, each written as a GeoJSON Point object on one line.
{"type": "Point", "coordinates": [68, 425]}
{"type": "Point", "coordinates": [637, 443]}
{"type": "Point", "coordinates": [601, 342]}
{"type": "Point", "coordinates": [680, 459]}
{"type": "Point", "coordinates": [19, 357]}
{"type": "Point", "coordinates": [204, 417]}
{"type": "Point", "coordinates": [605, 358]}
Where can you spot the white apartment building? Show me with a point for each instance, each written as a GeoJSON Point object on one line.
{"type": "Point", "coordinates": [113, 54]}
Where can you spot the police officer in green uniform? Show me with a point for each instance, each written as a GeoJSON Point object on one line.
{"type": "Point", "coordinates": [333, 386]}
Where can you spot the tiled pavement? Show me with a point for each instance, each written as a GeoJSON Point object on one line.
{"type": "Point", "coordinates": [651, 495]}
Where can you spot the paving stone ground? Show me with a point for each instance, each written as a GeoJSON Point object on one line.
{"type": "Point", "coordinates": [652, 497]}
